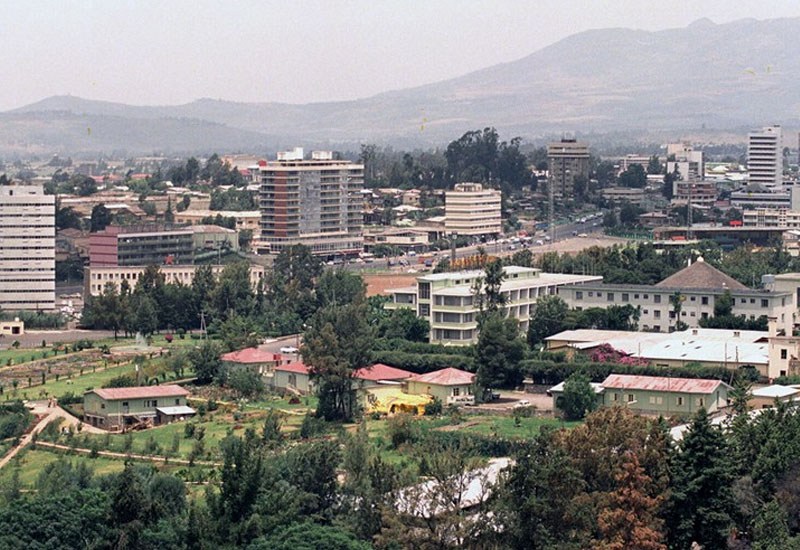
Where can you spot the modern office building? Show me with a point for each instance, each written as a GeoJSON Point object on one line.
{"type": "Point", "coordinates": [566, 160]}
{"type": "Point", "coordinates": [316, 202]}
{"type": "Point", "coordinates": [765, 156]}
{"type": "Point", "coordinates": [471, 210]}
{"type": "Point", "coordinates": [154, 244]}
{"type": "Point", "coordinates": [27, 248]}
{"type": "Point", "coordinates": [448, 302]}
{"type": "Point", "coordinates": [771, 217]}
{"type": "Point", "coordinates": [96, 277]}
{"type": "Point", "coordinates": [696, 287]}
{"type": "Point", "coordinates": [624, 194]}
{"type": "Point", "coordinates": [686, 161]}
{"type": "Point", "coordinates": [759, 196]}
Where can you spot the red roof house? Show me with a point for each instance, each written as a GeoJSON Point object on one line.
{"type": "Point", "coordinates": [380, 372]}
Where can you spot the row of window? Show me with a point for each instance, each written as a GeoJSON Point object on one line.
{"type": "Point", "coordinates": [625, 297]}
{"type": "Point", "coordinates": [659, 400]}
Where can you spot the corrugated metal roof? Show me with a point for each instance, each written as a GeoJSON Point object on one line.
{"type": "Point", "coordinates": [251, 355]}
{"type": "Point", "coordinates": [776, 390]}
{"type": "Point", "coordinates": [445, 377]}
{"type": "Point", "coordinates": [661, 383]}
{"type": "Point", "coordinates": [174, 411]}
{"type": "Point", "coordinates": [138, 392]}
{"type": "Point", "coordinates": [297, 367]}
{"type": "Point", "coordinates": [379, 371]}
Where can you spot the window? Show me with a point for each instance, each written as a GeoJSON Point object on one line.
{"type": "Point", "coordinates": [657, 314]}
{"type": "Point", "coordinates": [631, 398]}
{"type": "Point", "coordinates": [177, 401]}
{"type": "Point", "coordinates": [625, 297]}
{"type": "Point", "coordinates": [704, 315]}
{"type": "Point", "coordinates": [693, 299]}
{"type": "Point", "coordinates": [652, 400]}
{"type": "Point", "coordinates": [679, 401]}
{"type": "Point", "coordinates": [704, 300]}
{"type": "Point", "coordinates": [592, 294]}
{"type": "Point", "coordinates": [764, 302]}
{"type": "Point", "coordinates": [424, 290]}
{"type": "Point", "coordinates": [610, 296]}
{"type": "Point", "coordinates": [635, 296]}
{"type": "Point", "coordinates": [656, 328]}
{"type": "Point", "coordinates": [616, 397]}
{"type": "Point", "coordinates": [700, 402]}
{"type": "Point", "coordinates": [424, 310]}
{"type": "Point", "coordinates": [645, 296]}
{"type": "Point", "coordinates": [783, 354]}
{"type": "Point", "coordinates": [102, 405]}
{"type": "Point", "coordinates": [579, 295]}
{"type": "Point", "coordinates": [124, 403]}
{"type": "Point", "coordinates": [645, 312]}
{"type": "Point", "coordinates": [657, 298]}
{"type": "Point", "coordinates": [456, 392]}
{"type": "Point", "coordinates": [752, 300]}
{"type": "Point", "coordinates": [659, 400]}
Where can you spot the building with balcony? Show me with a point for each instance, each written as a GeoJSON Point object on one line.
{"type": "Point", "coordinates": [447, 300]}
{"type": "Point", "coordinates": [567, 160]}
{"type": "Point", "coordinates": [697, 287]}
{"type": "Point", "coordinates": [771, 217]}
{"type": "Point", "coordinates": [698, 192]}
{"type": "Point", "coordinates": [471, 210]}
{"type": "Point", "coordinates": [27, 248]}
{"type": "Point", "coordinates": [243, 219]}
{"type": "Point", "coordinates": [758, 196]}
{"type": "Point", "coordinates": [316, 202]}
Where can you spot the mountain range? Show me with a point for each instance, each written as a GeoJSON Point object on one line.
{"type": "Point", "coordinates": [726, 76]}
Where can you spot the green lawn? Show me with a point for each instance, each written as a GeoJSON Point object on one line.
{"type": "Point", "coordinates": [504, 426]}
{"type": "Point", "coordinates": [23, 355]}
{"type": "Point", "coordinates": [32, 461]}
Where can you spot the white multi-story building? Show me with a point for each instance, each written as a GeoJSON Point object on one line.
{"type": "Point", "coordinates": [316, 202]}
{"type": "Point", "coordinates": [697, 287]}
{"type": "Point", "coordinates": [765, 156]}
{"type": "Point", "coordinates": [686, 161]}
{"type": "Point", "coordinates": [448, 301]}
{"type": "Point", "coordinates": [771, 217]}
{"type": "Point", "coordinates": [471, 210]}
{"type": "Point", "coordinates": [27, 248]}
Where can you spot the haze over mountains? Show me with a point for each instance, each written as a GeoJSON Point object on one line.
{"type": "Point", "coordinates": [705, 75]}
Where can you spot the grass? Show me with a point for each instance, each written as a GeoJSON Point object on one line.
{"type": "Point", "coordinates": [32, 461]}
{"type": "Point", "coordinates": [23, 355]}
{"type": "Point", "coordinates": [507, 427]}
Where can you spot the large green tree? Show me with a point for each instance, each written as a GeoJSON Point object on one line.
{"type": "Point", "coordinates": [498, 353]}
{"type": "Point", "coordinates": [548, 317]}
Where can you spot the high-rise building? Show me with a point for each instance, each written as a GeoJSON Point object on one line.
{"type": "Point", "coordinates": [765, 156]}
{"type": "Point", "coordinates": [27, 248]}
{"type": "Point", "coordinates": [471, 210]}
{"type": "Point", "coordinates": [686, 161]}
{"type": "Point", "coordinates": [567, 160]}
{"type": "Point", "coordinates": [316, 202]}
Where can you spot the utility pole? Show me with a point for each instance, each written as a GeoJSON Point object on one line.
{"type": "Point", "coordinates": [689, 213]}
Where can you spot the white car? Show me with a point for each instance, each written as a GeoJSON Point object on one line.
{"type": "Point", "coordinates": [289, 349]}
{"type": "Point", "coordinates": [523, 403]}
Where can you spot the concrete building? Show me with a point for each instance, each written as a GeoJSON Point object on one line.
{"type": "Point", "coordinates": [660, 395]}
{"type": "Point", "coordinates": [244, 220]}
{"type": "Point", "coordinates": [791, 242]}
{"type": "Point", "coordinates": [767, 396]}
{"type": "Point", "coordinates": [293, 378]}
{"type": "Point", "coordinates": [567, 160]}
{"type": "Point", "coordinates": [624, 194]}
{"type": "Point", "coordinates": [471, 210]}
{"type": "Point", "coordinates": [27, 248]}
{"type": "Point", "coordinates": [115, 408]}
{"type": "Point", "coordinates": [698, 192]}
{"type": "Point", "coordinates": [257, 360]}
{"type": "Point", "coordinates": [96, 277]}
{"type": "Point", "coordinates": [632, 159]}
{"type": "Point", "coordinates": [686, 161]}
{"type": "Point", "coordinates": [451, 386]}
{"type": "Point", "coordinates": [765, 156]}
{"type": "Point", "coordinates": [771, 217]}
{"type": "Point", "coordinates": [316, 202]}
{"type": "Point", "coordinates": [447, 300]}
{"type": "Point", "coordinates": [157, 244]}
{"type": "Point", "coordinates": [698, 286]}
{"type": "Point", "coordinates": [12, 328]}
{"type": "Point", "coordinates": [756, 196]}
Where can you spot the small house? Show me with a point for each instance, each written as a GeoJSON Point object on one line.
{"type": "Point", "coordinates": [293, 377]}
{"type": "Point", "coordinates": [115, 408]}
{"type": "Point", "coordinates": [257, 360]}
{"type": "Point", "coordinates": [664, 395]}
{"type": "Point", "coordinates": [451, 386]}
{"type": "Point", "coordinates": [380, 374]}
{"type": "Point", "coordinates": [12, 328]}
{"type": "Point", "coordinates": [768, 396]}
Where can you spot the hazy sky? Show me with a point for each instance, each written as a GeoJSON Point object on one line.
{"type": "Point", "coordinates": [174, 51]}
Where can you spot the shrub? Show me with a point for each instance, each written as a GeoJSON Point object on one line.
{"type": "Point", "coordinates": [434, 408]}
{"type": "Point", "coordinates": [188, 430]}
{"type": "Point", "coordinates": [312, 426]}
{"type": "Point", "coordinates": [121, 381]}
{"type": "Point", "coordinates": [403, 428]}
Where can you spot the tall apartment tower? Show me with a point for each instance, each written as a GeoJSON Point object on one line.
{"type": "Point", "coordinates": [688, 162]}
{"type": "Point", "coordinates": [27, 248]}
{"type": "Point", "coordinates": [315, 202]}
{"type": "Point", "coordinates": [471, 210]}
{"type": "Point", "coordinates": [566, 160]}
{"type": "Point", "coordinates": [765, 156]}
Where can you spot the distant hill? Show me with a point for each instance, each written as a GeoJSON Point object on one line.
{"type": "Point", "coordinates": [611, 80]}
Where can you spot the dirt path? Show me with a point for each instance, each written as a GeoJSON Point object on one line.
{"type": "Point", "coordinates": [114, 454]}
{"type": "Point", "coordinates": [48, 414]}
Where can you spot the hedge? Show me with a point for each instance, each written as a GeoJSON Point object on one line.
{"type": "Point", "coordinates": [482, 445]}
{"type": "Point", "coordinates": [551, 372]}
{"type": "Point", "coordinates": [398, 344]}
{"type": "Point", "coordinates": [421, 363]}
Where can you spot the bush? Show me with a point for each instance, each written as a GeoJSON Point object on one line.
{"type": "Point", "coordinates": [403, 428]}
{"type": "Point", "coordinates": [312, 426]}
{"type": "Point", "coordinates": [188, 430]}
{"type": "Point", "coordinates": [246, 382]}
{"type": "Point", "coordinates": [121, 381]}
{"type": "Point", "coordinates": [434, 408]}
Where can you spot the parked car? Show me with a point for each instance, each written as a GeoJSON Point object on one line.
{"type": "Point", "coordinates": [289, 350]}
{"type": "Point", "coordinates": [523, 403]}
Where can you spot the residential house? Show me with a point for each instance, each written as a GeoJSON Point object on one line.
{"type": "Point", "coordinates": [258, 360]}
{"type": "Point", "coordinates": [451, 386]}
{"type": "Point", "coordinates": [293, 377]}
{"type": "Point", "coordinates": [115, 408]}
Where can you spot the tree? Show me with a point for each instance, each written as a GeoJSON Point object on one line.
{"type": "Point", "coordinates": [206, 362]}
{"type": "Point", "coordinates": [492, 282]}
{"type": "Point", "coordinates": [668, 189]}
{"type": "Point", "coordinates": [306, 535]}
{"type": "Point", "coordinates": [337, 342]}
{"type": "Point", "coordinates": [339, 287]}
{"type": "Point", "coordinates": [84, 185]}
{"type": "Point", "coordinates": [537, 499]}
{"type": "Point", "coordinates": [723, 305]}
{"type": "Point", "coordinates": [145, 316]}
{"type": "Point", "coordinates": [498, 353]}
{"type": "Point", "coordinates": [522, 258]}
{"type": "Point", "coordinates": [404, 323]}
{"type": "Point", "coordinates": [101, 217]}
{"type": "Point", "coordinates": [676, 301]}
{"type": "Point", "coordinates": [548, 318]}
{"type": "Point", "coordinates": [610, 219]}
{"type": "Point", "coordinates": [629, 214]}
{"type": "Point", "coordinates": [233, 292]}
{"type": "Point", "coordinates": [246, 382]}
{"type": "Point", "coordinates": [702, 501]}
{"type": "Point", "coordinates": [630, 519]}
{"type": "Point", "coordinates": [67, 218]}
{"type": "Point", "coordinates": [771, 529]}
{"type": "Point", "coordinates": [579, 397]}
{"type": "Point", "coordinates": [654, 166]}
{"type": "Point", "coordinates": [634, 177]}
